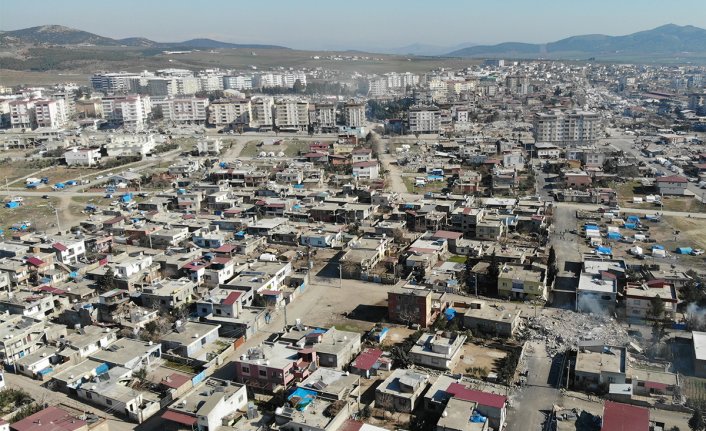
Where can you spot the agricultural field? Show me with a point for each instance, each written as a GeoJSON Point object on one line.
{"type": "Point", "coordinates": [695, 388]}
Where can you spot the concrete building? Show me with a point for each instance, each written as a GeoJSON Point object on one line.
{"type": "Point", "coordinates": [22, 114]}
{"type": "Point", "coordinates": [567, 128]}
{"type": "Point", "coordinates": [699, 353]}
{"type": "Point", "coordinates": [237, 82]}
{"type": "Point", "coordinates": [366, 170]}
{"type": "Point", "coordinates": [598, 286]}
{"type": "Point", "coordinates": [208, 406]}
{"type": "Point", "coordinates": [401, 391]}
{"type": "Point", "coordinates": [262, 113]}
{"type": "Point", "coordinates": [671, 185]}
{"type": "Point", "coordinates": [325, 116]}
{"type": "Point", "coordinates": [190, 110]}
{"type": "Point", "coordinates": [410, 306]}
{"type": "Point", "coordinates": [131, 112]}
{"type": "Point", "coordinates": [638, 300]}
{"type": "Point", "coordinates": [50, 113]}
{"type": "Point", "coordinates": [230, 113]}
{"type": "Point", "coordinates": [438, 350]}
{"type": "Point", "coordinates": [190, 340]}
{"type": "Point", "coordinates": [354, 114]}
{"type": "Point", "coordinates": [82, 156]}
{"type": "Point", "coordinates": [291, 114]}
{"type": "Point", "coordinates": [518, 282]}
{"type": "Point", "coordinates": [424, 119]}
{"type": "Point", "coordinates": [498, 320]}
{"type": "Point", "coordinates": [114, 83]}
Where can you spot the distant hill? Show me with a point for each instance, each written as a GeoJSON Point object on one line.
{"type": "Point", "coordinates": [666, 41]}
{"type": "Point", "coordinates": [60, 35]}
{"type": "Point", "coordinates": [423, 49]}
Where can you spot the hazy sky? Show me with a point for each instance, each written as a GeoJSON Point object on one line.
{"type": "Point", "coordinates": [354, 24]}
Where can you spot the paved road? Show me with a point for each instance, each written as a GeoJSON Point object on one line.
{"type": "Point", "coordinates": [641, 211]}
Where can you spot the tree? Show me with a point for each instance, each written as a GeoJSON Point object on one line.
{"type": "Point", "coordinates": [420, 274]}
{"type": "Point", "coordinates": [656, 310]}
{"type": "Point", "coordinates": [552, 268]}
{"type": "Point", "coordinates": [107, 280]}
{"type": "Point", "coordinates": [400, 358]}
{"type": "Point", "coordinates": [298, 87]}
{"type": "Point", "coordinates": [494, 268]}
{"type": "Point", "coordinates": [696, 422]}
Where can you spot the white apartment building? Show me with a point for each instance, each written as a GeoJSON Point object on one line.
{"type": "Point", "coordinates": [292, 114]}
{"type": "Point", "coordinates": [162, 87]}
{"type": "Point", "coordinates": [326, 115]}
{"type": "Point", "coordinates": [22, 114]}
{"type": "Point", "coordinates": [424, 119]}
{"type": "Point", "coordinates": [239, 82]}
{"type": "Point", "coordinates": [377, 87]}
{"type": "Point", "coordinates": [354, 113]}
{"type": "Point", "coordinates": [114, 83]}
{"type": "Point", "coordinates": [82, 156]}
{"type": "Point", "coordinates": [186, 109]}
{"type": "Point", "coordinates": [129, 111]}
{"type": "Point", "coordinates": [209, 146]}
{"type": "Point", "coordinates": [211, 80]}
{"type": "Point", "coordinates": [567, 127]}
{"type": "Point", "coordinates": [225, 113]}
{"type": "Point", "coordinates": [129, 145]}
{"type": "Point", "coordinates": [50, 113]}
{"type": "Point", "coordinates": [262, 112]}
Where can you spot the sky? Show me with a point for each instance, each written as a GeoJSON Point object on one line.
{"type": "Point", "coordinates": [354, 24]}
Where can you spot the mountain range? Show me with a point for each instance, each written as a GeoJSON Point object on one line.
{"type": "Point", "coordinates": [665, 41]}
{"type": "Point", "coordinates": [60, 35]}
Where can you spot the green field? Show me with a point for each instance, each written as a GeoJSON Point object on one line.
{"type": "Point", "coordinates": [695, 388]}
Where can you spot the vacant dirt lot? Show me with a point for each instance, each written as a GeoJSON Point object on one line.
{"type": "Point", "coordinates": [479, 356]}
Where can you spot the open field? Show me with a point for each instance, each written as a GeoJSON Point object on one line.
{"type": "Point", "coordinates": [479, 357]}
{"type": "Point", "coordinates": [290, 148]}
{"type": "Point", "coordinates": [695, 388]}
{"type": "Point", "coordinates": [431, 186]}
{"type": "Point", "coordinates": [34, 210]}
{"type": "Point", "coordinates": [626, 191]}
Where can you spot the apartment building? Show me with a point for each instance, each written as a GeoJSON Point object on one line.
{"type": "Point", "coordinates": [22, 114]}
{"type": "Point", "coordinates": [424, 119]}
{"type": "Point", "coordinates": [114, 83]}
{"type": "Point", "coordinates": [354, 114]}
{"type": "Point", "coordinates": [292, 114]}
{"type": "Point", "coordinates": [192, 110]}
{"type": "Point", "coordinates": [567, 128]}
{"type": "Point", "coordinates": [239, 82]}
{"type": "Point", "coordinates": [230, 113]}
{"type": "Point", "coordinates": [82, 156]}
{"type": "Point", "coordinates": [50, 113]}
{"type": "Point", "coordinates": [261, 110]}
{"type": "Point", "coordinates": [129, 111]}
{"type": "Point", "coordinates": [162, 87]}
{"type": "Point", "coordinates": [325, 115]}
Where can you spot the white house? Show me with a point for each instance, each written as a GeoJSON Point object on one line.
{"type": "Point", "coordinates": [82, 156]}
{"type": "Point", "coordinates": [69, 250]}
{"type": "Point", "coordinates": [205, 406]}
{"type": "Point", "coordinates": [366, 170]}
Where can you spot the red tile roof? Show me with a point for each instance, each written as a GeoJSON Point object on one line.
{"type": "Point", "coordinates": [367, 358]}
{"type": "Point", "coordinates": [180, 418]}
{"type": "Point", "coordinates": [672, 179]}
{"type": "Point", "coordinates": [447, 234]}
{"type": "Point", "coordinates": [59, 246]}
{"type": "Point", "coordinates": [225, 248]}
{"type": "Point", "coordinates": [50, 419]}
{"type": "Point", "coordinates": [175, 380]}
{"type": "Point", "coordinates": [232, 297]}
{"type": "Point", "coordinates": [351, 425]}
{"type": "Point", "coordinates": [624, 417]}
{"type": "Point", "coordinates": [35, 261]}
{"type": "Point", "coordinates": [482, 398]}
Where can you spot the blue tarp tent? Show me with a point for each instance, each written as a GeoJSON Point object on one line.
{"type": "Point", "coordinates": [12, 204]}
{"type": "Point", "coordinates": [450, 313]}
{"type": "Point", "coordinates": [631, 225]}
{"type": "Point", "coordinates": [478, 418]}
{"type": "Point", "coordinates": [223, 164]}
{"type": "Point", "coordinates": [603, 250]}
{"type": "Point", "coordinates": [633, 219]}
{"type": "Point", "coordinates": [684, 250]}
{"type": "Point", "coordinates": [127, 197]}
{"type": "Point", "coordinates": [590, 226]}
{"type": "Point", "coordinates": [614, 235]}
{"type": "Point", "coordinates": [32, 185]}
{"type": "Point", "coordinates": [59, 185]}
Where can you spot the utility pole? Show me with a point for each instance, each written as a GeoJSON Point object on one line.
{"type": "Point", "coordinates": [568, 370]}
{"type": "Point", "coordinates": [340, 275]}
{"type": "Point", "coordinates": [475, 283]}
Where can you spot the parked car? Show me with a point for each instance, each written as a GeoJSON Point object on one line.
{"type": "Point", "coordinates": [697, 252]}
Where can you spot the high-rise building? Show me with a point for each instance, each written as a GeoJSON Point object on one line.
{"type": "Point", "coordinates": [192, 110]}
{"type": "Point", "coordinates": [325, 117]}
{"type": "Point", "coordinates": [261, 112]}
{"type": "Point", "coordinates": [424, 119]}
{"type": "Point", "coordinates": [50, 113]}
{"type": "Point", "coordinates": [114, 83]}
{"type": "Point", "coordinates": [162, 87]}
{"type": "Point", "coordinates": [240, 82]}
{"type": "Point", "coordinates": [567, 127]}
{"type": "Point", "coordinates": [129, 111]}
{"type": "Point", "coordinates": [354, 113]}
{"type": "Point", "coordinates": [292, 114]}
{"type": "Point", "coordinates": [229, 113]}
{"type": "Point", "coordinates": [22, 114]}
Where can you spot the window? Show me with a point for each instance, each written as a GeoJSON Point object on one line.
{"type": "Point", "coordinates": [245, 370]}
{"type": "Point", "coordinates": [203, 341]}
{"type": "Point", "coordinates": [109, 402]}
{"type": "Point", "coordinates": [263, 373]}
{"type": "Point", "coordinates": [218, 311]}
{"type": "Point", "coordinates": [203, 310]}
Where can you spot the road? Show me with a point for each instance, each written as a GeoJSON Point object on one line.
{"type": "Point", "coordinates": [640, 211]}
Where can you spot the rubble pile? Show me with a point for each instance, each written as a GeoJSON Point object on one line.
{"type": "Point", "coordinates": [564, 329]}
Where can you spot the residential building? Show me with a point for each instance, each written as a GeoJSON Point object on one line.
{"type": "Point", "coordinates": [638, 300]}
{"type": "Point", "coordinates": [401, 390]}
{"type": "Point", "coordinates": [190, 110]}
{"type": "Point", "coordinates": [325, 116]}
{"type": "Point", "coordinates": [366, 170]}
{"type": "Point", "coordinates": [114, 83]}
{"type": "Point", "coordinates": [168, 294]}
{"type": "Point", "coordinates": [273, 366]}
{"type": "Point", "coordinates": [671, 185]}
{"type": "Point", "coordinates": [261, 109]}
{"type": "Point", "coordinates": [82, 157]}
{"type": "Point", "coordinates": [438, 350]}
{"type": "Point", "coordinates": [699, 353]}
{"type": "Point", "coordinates": [237, 82]}
{"type": "Point", "coordinates": [230, 113]}
{"type": "Point", "coordinates": [50, 418]}
{"type": "Point", "coordinates": [623, 417]}
{"type": "Point", "coordinates": [22, 114]}
{"type": "Point", "coordinates": [354, 114]}
{"type": "Point", "coordinates": [190, 340]}
{"type": "Point", "coordinates": [424, 119]}
{"type": "Point", "coordinates": [498, 320]}
{"type": "Point", "coordinates": [459, 415]}
{"type": "Point", "coordinates": [567, 128]}
{"type": "Point", "coordinates": [50, 113]}
{"type": "Point", "coordinates": [69, 250]}
{"type": "Point", "coordinates": [519, 282]}
{"type": "Point", "coordinates": [208, 406]}
{"type": "Point", "coordinates": [209, 146]}
{"type": "Point", "coordinates": [131, 112]}
{"type": "Point", "coordinates": [291, 114]}
{"type": "Point", "coordinates": [598, 286]}
{"type": "Point", "coordinates": [129, 145]}
{"type": "Point", "coordinates": [411, 306]}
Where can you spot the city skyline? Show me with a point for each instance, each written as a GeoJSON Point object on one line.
{"type": "Point", "coordinates": [371, 27]}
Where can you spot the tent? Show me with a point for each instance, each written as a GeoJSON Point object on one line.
{"type": "Point", "coordinates": [633, 219]}
{"type": "Point", "coordinates": [637, 250]}
{"type": "Point", "coordinates": [604, 250]}
{"type": "Point", "coordinates": [12, 204]}
{"type": "Point", "coordinates": [630, 226]}
{"type": "Point", "coordinates": [450, 313]}
{"type": "Point", "coordinates": [614, 235]}
{"type": "Point", "coordinates": [657, 247]}
{"type": "Point", "coordinates": [684, 250]}
{"type": "Point", "coordinates": [588, 226]}
{"type": "Point", "coordinates": [59, 185]}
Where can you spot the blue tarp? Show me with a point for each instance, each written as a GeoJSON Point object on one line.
{"type": "Point", "coordinates": [450, 313]}
{"type": "Point", "coordinates": [299, 186]}
{"type": "Point", "coordinates": [633, 219]}
{"type": "Point", "coordinates": [223, 164]}
{"type": "Point", "coordinates": [591, 227]}
{"type": "Point", "coordinates": [478, 418]}
{"type": "Point", "coordinates": [434, 178]}
{"type": "Point", "coordinates": [657, 247]}
{"type": "Point", "coordinates": [684, 250]}
{"type": "Point", "coordinates": [240, 233]}
{"type": "Point", "coordinates": [630, 225]}
{"type": "Point", "coordinates": [102, 369]}
{"type": "Point", "coordinates": [603, 250]}
{"type": "Point", "coordinates": [614, 235]}
{"type": "Point", "coordinates": [59, 185]}
{"type": "Point", "coordinates": [301, 398]}
{"type": "Point", "coordinates": [12, 204]}
{"type": "Point", "coordinates": [127, 197]}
